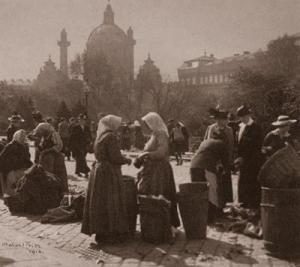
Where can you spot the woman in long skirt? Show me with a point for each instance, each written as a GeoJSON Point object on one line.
{"type": "Point", "coordinates": [156, 177]}
{"type": "Point", "coordinates": [51, 158]}
{"type": "Point", "coordinates": [105, 211]}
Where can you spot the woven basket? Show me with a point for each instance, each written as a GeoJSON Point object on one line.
{"type": "Point", "coordinates": [155, 219]}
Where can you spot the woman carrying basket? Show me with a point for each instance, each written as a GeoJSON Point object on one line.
{"type": "Point", "coordinates": [156, 177]}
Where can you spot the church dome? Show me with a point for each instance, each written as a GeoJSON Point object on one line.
{"type": "Point", "coordinates": [107, 32]}
{"type": "Point", "coordinates": [109, 40]}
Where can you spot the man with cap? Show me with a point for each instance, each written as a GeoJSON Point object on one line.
{"type": "Point", "coordinates": [277, 138]}
{"type": "Point", "coordinates": [15, 125]}
{"type": "Point", "coordinates": [249, 158]}
{"type": "Point", "coordinates": [80, 140]}
{"type": "Point", "coordinates": [221, 127]}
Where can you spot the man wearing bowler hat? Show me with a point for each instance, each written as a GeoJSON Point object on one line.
{"type": "Point", "coordinates": [221, 127]}
{"type": "Point", "coordinates": [80, 139]}
{"type": "Point", "coordinates": [249, 158]}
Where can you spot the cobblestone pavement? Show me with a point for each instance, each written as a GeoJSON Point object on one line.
{"type": "Point", "coordinates": [218, 249]}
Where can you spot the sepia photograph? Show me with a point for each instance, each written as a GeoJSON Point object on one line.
{"type": "Point", "coordinates": [144, 133]}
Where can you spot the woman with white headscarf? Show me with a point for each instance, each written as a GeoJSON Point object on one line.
{"type": "Point", "coordinates": [14, 160]}
{"type": "Point", "coordinates": [50, 147]}
{"type": "Point", "coordinates": [105, 211]}
{"type": "Point", "coordinates": [156, 177]}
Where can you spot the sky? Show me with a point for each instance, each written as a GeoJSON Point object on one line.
{"type": "Point", "coordinates": [170, 30]}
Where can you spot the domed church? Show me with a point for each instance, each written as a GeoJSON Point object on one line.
{"type": "Point", "coordinates": [115, 45]}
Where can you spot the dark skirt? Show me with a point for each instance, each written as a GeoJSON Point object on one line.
{"type": "Point", "coordinates": [248, 186]}
{"type": "Point", "coordinates": [54, 162]}
{"type": "Point", "coordinates": [156, 178]}
{"type": "Point", "coordinates": [105, 205]}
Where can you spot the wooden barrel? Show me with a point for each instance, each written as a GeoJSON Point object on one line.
{"type": "Point", "coordinates": [280, 214]}
{"type": "Point", "coordinates": [193, 206]}
{"type": "Point", "coordinates": [155, 219]}
{"type": "Point", "coordinates": [131, 202]}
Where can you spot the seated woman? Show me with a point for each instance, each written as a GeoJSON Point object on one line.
{"type": "Point", "coordinates": [14, 160]}
{"type": "Point", "coordinates": [50, 147]}
{"type": "Point", "coordinates": [156, 177]}
{"type": "Point", "coordinates": [105, 207]}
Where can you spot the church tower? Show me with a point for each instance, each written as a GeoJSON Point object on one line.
{"type": "Point", "coordinates": [64, 44]}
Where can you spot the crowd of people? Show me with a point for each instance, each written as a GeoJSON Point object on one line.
{"type": "Point", "coordinates": [228, 146]}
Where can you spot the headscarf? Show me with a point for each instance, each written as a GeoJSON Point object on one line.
{"type": "Point", "coordinates": [155, 123]}
{"type": "Point", "coordinates": [108, 123]}
{"type": "Point", "coordinates": [43, 129]}
{"type": "Point", "coordinates": [19, 135]}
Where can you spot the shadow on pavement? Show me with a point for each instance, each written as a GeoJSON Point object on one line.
{"type": "Point", "coordinates": [181, 253]}
{"type": "Point", "coordinates": [5, 261]}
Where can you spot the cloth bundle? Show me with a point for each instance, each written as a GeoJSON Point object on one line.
{"type": "Point", "coordinates": [37, 191]}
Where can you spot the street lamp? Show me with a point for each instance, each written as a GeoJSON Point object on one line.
{"type": "Point", "coordinates": [86, 90]}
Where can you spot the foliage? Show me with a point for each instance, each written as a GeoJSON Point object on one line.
{"type": "Point", "coordinates": [63, 111]}
{"type": "Point", "coordinates": [270, 88]}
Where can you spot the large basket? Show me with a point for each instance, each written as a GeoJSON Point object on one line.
{"type": "Point", "coordinates": [155, 219]}
{"type": "Point", "coordinates": [193, 206]}
{"type": "Point", "coordinates": [131, 201]}
{"type": "Point", "coordinates": [281, 170]}
{"type": "Point", "coordinates": [280, 214]}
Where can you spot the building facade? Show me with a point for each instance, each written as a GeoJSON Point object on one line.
{"type": "Point", "coordinates": [110, 41]}
{"type": "Point", "coordinates": [212, 73]}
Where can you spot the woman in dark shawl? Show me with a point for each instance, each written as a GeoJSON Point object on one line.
{"type": "Point", "coordinates": [14, 160]}
{"type": "Point", "coordinates": [105, 208]}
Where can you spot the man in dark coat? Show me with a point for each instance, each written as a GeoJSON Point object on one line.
{"type": "Point", "coordinates": [80, 140]}
{"type": "Point", "coordinates": [15, 125]}
{"type": "Point", "coordinates": [249, 158]}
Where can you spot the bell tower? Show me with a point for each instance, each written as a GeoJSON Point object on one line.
{"type": "Point", "coordinates": [64, 44]}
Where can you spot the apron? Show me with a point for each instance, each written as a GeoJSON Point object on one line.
{"type": "Point", "coordinates": [214, 191]}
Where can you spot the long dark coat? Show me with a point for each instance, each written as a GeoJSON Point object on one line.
{"type": "Point", "coordinates": [249, 149]}
{"type": "Point", "coordinates": [80, 139]}
{"type": "Point", "coordinates": [105, 209]}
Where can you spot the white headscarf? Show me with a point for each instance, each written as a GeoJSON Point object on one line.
{"type": "Point", "coordinates": [155, 123]}
{"type": "Point", "coordinates": [19, 136]}
{"type": "Point", "coordinates": [109, 122]}
{"type": "Point", "coordinates": [43, 128]}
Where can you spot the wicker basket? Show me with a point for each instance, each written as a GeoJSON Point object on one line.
{"type": "Point", "coordinates": [131, 201]}
{"type": "Point", "coordinates": [155, 219]}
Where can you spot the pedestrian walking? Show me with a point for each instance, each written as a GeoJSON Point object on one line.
{"type": "Point", "coordinates": [105, 206]}
{"type": "Point", "coordinates": [156, 177]}
{"type": "Point", "coordinates": [178, 140]}
{"type": "Point", "coordinates": [80, 140]}
{"type": "Point", "coordinates": [64, 132]}
{"type": "Point", "coordinates": [249, 158]}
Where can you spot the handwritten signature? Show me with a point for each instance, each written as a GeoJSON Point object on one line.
{"type": "Point", "coordinates": [31, 247]}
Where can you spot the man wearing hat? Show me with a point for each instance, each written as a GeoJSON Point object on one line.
{"type": "Point", "coordinates": [221, 127]}
{"type": "Point", "coordinates": [249, 158]}
{"type": "Point", "coordinates": [80, 140]}
{"type": "Point", "coordinates": [15, 125]}
{"type": "Point", "coordinates": [277, 138]}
